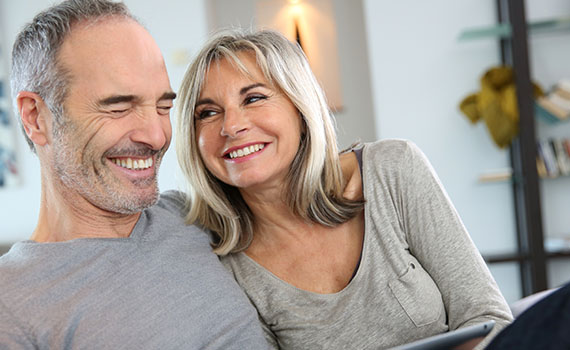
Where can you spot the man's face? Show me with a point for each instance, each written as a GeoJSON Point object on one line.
{"type": "Point", "coordinates": [108, 147]}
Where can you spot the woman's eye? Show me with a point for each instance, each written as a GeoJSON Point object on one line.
{"type": "Point", "coordinates": [206, 113]}
{"type": "Point", "coordinates": [254, 98]}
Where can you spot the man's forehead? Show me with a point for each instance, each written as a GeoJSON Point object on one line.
{"type": "Point", "coordinates": [114, 56]}
{"type": "Point", "coordinates": [104, 35]}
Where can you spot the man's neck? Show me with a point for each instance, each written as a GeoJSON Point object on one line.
{"type": "Point", "coordinates": [63, 218]}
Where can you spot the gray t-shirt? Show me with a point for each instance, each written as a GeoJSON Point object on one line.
{"type": "Point", "coordinates": [419, 273]}
{"type": "Point", "coordinates": [160, 288]}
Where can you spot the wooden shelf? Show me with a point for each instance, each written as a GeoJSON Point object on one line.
{"type": "Point", "coordinates": [504, 258]}
{"type": "Point", "coordinates": [558, 255]}
{"type": "Point", "coordinates": [519, 258]}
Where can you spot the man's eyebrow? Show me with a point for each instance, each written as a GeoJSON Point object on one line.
{"type": "Point", "coordinates": [116, 99]}
{"type": "Point", "coordinates": [111, 100]}
{"type": "Point", "coordinates": [245, 89]}
{"type": "Point", "coordinates": [167, 96]}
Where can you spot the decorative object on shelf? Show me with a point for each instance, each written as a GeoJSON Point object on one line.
{"type": "Point", "coordinates": [496, 104]}
{"type": "Point", "coordinates": [8, 166]}
{"type": "Point", "coordinates": [555, 106]}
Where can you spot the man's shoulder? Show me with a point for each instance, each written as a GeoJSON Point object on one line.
{"type": "Point", "coordinates": [174, 201]}
{"type": "Point", "coordinates": [19, 273]}
{"type": "Point", "coordinates": [14, 260]}
{"type": "Point", "coordinates": [171, 206]}
{"type": "Point", "coordinates": [167, 218]}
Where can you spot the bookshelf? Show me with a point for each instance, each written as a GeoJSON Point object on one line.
{"type": "Point", "coordinates": [531, 255]}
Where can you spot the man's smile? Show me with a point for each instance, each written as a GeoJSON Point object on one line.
{"type": "Point", "coordinates": [133, 164]}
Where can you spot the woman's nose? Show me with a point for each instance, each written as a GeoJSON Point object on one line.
{"type": "Point", "coordinates": [235, 122]}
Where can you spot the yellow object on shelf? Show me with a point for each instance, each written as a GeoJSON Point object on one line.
{"type": "Point", "coordinates": [496, 104]}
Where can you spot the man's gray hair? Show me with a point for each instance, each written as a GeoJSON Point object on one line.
{"type": "Point", "coordinates": [35, 67]}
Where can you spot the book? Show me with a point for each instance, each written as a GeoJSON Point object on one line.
{"type": "Point", "coordinates": [562, 92]}
{"type": "Point", "coordinates": [564, 85]}
{"type": "Point", "coordinates": [541, 167]}
{"type": "Point", "coordinates": [497, 175]}
{"type": "Point", "coordinates": [547, 153]}
{"type": "Point", "coordinates": [558, 99]}
{"type": "Point", "coordinates": [566, 143]}
{"type": "Point", "coordinates": [546, 105]}
{"type": "Point", "coordinates": [545, 114]}
{"type": "Point", "coordinates": [562, 158]}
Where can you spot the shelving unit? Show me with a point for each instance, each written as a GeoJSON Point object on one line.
{"type": "Point", "coordinates": [504, 30]}
{"type": "Point", "coordinates": [512, 32]}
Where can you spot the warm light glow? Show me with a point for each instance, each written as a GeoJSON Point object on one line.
{"type": "Point", "coordinates": [294, 2]}
{"type": "Point", "coordinates": [296, 10]}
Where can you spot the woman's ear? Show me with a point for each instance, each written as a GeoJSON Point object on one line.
{"type": "Point", "coordinates": [33, 110]}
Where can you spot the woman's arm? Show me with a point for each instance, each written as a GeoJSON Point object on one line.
{"type": "Point", "coordinates": [439, 240]}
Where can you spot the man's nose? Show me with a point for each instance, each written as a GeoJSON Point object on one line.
{"type": "Point", "coordinates": [235, 122]}
{"type": "Point", "coordinates": [153, 130]}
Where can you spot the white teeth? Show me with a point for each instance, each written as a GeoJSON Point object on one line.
{"type": "Point", "coordinates": [246, 151]}
{"type": "Point", "coordinates": [133, 164]}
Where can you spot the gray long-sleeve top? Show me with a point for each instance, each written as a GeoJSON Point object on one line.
{"type": "Point", "coordinates": [419, 275]}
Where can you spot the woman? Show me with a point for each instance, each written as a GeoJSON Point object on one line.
{"type": "Point", "coordinates": [332, 253]}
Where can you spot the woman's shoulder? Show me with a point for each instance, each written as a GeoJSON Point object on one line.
{"type": "Point", "coordinates": [388, 148]}
{"type": "Point", "coordinates": [389, 154]}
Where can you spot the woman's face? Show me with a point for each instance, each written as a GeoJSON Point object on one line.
{"type": "Point", "coordinates": [248, 131]}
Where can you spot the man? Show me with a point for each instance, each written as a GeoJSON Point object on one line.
{"type": "Point", "coordinates": [106, 267]}
{"type": "Point", "coordinates": [543, 326]}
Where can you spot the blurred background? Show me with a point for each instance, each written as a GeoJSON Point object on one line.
{"type": "Point", "coordinates": [391, 69]}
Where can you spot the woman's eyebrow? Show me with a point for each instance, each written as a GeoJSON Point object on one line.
{"type": "Point", "coordinates": [204, 101]}
{"type": "Point", "coordinates": [242, 91]}
{"type": "Point", "coordinates": [245, 89]}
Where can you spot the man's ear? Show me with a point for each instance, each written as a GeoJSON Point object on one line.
{"type": "Point", "coordinates": [36, 117]}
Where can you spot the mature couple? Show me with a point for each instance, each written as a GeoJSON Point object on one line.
{"type": "Point", "coordinates": [359, 250]}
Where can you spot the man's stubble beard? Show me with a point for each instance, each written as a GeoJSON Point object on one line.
{"type": "Point", "coordinates": [92, 179]}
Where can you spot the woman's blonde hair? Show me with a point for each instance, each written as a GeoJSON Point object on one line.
{"type": "Point", "coordinates": [315, 183]}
